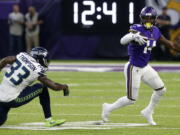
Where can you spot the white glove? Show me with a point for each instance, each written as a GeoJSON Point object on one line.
{"type": "Point", "coordinates": [139, 38]}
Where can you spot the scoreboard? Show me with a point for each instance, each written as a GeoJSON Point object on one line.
{"type": "Point", "coordinates": [98, 16]}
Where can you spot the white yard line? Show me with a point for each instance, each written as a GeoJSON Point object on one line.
{"type": "Point", "coordinates": [95, 114]}
{"type": "Point", "coordinates": [85, 125]}
{"type": "Point", "coordinates": [111, 64]}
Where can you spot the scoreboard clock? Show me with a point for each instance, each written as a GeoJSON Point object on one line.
{"type": "Point", "coordinates": [98, 16]}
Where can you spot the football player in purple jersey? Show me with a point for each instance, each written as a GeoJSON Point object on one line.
{"type": "Point", "coordinates": [141, 39]}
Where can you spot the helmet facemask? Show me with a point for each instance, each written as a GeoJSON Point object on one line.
{"type": "Point", "coordinates": [43, 61]}
{"type": "Point", "coordinates": [40, 54]}
{"type": "Point", "coordinates": [148, 17]}
{"type": "Point", "coordinates": [148, 21]}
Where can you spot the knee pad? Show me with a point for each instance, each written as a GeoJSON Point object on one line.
{"type": "Point", "coordinates": [161, 92]}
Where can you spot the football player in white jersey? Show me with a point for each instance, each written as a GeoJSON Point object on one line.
{"type": "Point", "coordinates": [16, 89]}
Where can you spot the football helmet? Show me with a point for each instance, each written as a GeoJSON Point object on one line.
{"type": "Point", "coordinates": [40, 54]}
{"type": "Point", "coordinates": [148, 17]}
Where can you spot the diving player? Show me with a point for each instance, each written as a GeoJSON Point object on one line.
{"type": "Point", "coordinates": [16, 89]}
{"type": "Point", "coordinates": [141, 39]}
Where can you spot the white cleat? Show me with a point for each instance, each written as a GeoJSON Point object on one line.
{"type": "Point", "coordinates": [148, 115]}
{"type": "Point", "coordinates": [105, 112]}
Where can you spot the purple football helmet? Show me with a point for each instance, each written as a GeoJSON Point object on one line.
{"type": "Point", "coordinates": [148, 17]}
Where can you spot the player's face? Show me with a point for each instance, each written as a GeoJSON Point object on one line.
{"type": "Point", "coordinates": [148, 21]}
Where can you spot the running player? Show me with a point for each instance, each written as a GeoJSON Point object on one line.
{"type": "Point", "coordinates": [141, 39]}
{"type": "Point", "coordinates": [16, 89]}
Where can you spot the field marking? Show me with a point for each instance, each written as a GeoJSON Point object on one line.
{"type": "Point", "coordinates": [90, 125]}
{"type": "Point", "coordinates": [107, 67]}
{"type": "Point", "coordinates": [112, 64]}
{"type": "Point", "coordinates": [91, 114]}
{"type": "Point", "coordinates": [85, 125]}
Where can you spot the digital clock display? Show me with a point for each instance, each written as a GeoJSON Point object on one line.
{"type": "Point", "coordinates": [92, 10]}
{"type": "Point", "coordinates": [97, 16]}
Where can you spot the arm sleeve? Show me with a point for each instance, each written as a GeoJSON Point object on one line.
{"type": "Point", "coordinates": [126, 39]}
{"type": "Point", "coordinates": [129, 37]}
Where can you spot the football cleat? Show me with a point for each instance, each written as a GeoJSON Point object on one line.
{"type": "Point", "coordinates": [148, 115]}
{"type": "Point", "coordinates": [52, 122]}
{"type": "Point", "coordinates": [105, 112]}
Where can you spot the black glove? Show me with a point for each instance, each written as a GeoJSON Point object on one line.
{"type": "Point", "coordinates": [66, 91]}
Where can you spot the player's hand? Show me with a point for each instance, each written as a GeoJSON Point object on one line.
{"type": "Point", "coordinates": [176, 47]}
{"type": "Point", "coordinates": [66, 90]}
{"type": "Point", "coordinates": [139, 38]}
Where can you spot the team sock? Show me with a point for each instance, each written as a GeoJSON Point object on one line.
{"type": "Point", "coordinates": [155, 99]}
{"type": "Point", "coordinates": [45, 102]}
{"type": "Point", "coordinates": [123, 101]}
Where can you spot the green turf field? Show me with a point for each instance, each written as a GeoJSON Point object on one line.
{"type": "Point", "coordinates": [88, 92]}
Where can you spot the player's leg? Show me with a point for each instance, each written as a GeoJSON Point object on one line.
{"type": "Point", "coordinates": [27, 95]}
{"type": "Point", "coordinates": [133, 78]}
{"type": "Point", "coordinates": [45, 103]}
{"type": "Point", "coordinates": [151, 78]}
{"type": "Point", "coordinates": [31, 92]}
{"type": "Point", "coordinates": [3, 114]}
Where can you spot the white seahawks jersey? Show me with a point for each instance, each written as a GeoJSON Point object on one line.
{"type": "Point", "coordinates": [23, 72]}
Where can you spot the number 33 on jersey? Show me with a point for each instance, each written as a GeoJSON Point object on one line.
{"type": "Point", "coordinates": [24, 70]}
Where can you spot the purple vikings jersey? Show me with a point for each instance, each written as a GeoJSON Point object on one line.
{"type": "Point", "coordinates": [140, 54]}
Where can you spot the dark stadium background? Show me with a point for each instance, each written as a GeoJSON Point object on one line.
{"type": "Point", "coordinates": [65, 41]}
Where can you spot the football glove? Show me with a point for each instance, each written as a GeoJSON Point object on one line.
{"type": "Point", "coordinates": [139, 38]}
{"type": "Point", "coordinates": [66, 91]}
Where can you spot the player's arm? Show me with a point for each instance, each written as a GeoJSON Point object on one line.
{"type": "Point", "coordinates": [7, 60]}
{"type": "Point", "coordinates": [133, 36]}
{"type": "Point", "coordinates": [53, 85]}
{"type": "Point", "coordinates": [163, 22]}
{"type": "Point", "coordinates": [169, 43]}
